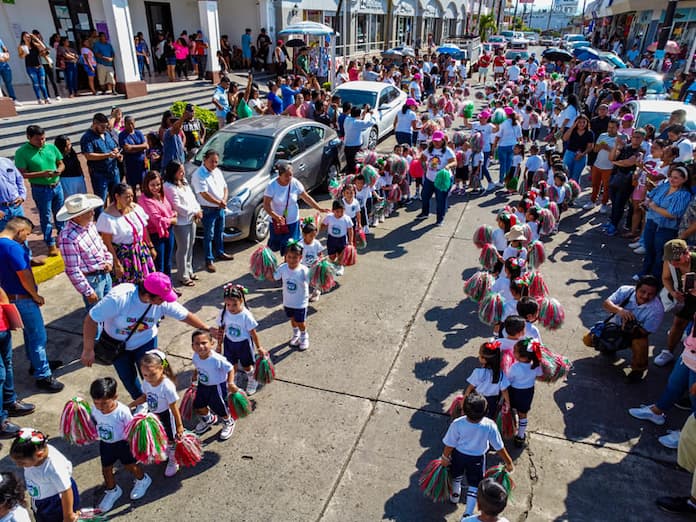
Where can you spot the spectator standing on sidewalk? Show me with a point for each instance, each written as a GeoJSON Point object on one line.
{"type": "Point", "coordinates": [42, 163]}
{"type": "Point", "coordinates": [194, 131]}
{"type": "Point", "coordinates": [67, 59]}
{"type": "Point", "coordinates": [134, 145]}
{"type": "Point", "coordinates": [105, 55]}
{"type": "Point", "coordinates": [6, 72]}
{"type": "Point", "coordinates": [30, 49]}
{"type": "Point", "coordinates": [221, 101]}
{"type": "Point", "coordinates": [102, 154]}
{"type": "Point", "coordinates": [12, 192]}
{"type": "Point", "coordinates": [173, 140]}
{"type": "Point", "coordinates": [201, 54]}
{"type": "Point", "coordinates": [246, 49]}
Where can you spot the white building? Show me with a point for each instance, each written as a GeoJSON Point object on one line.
{"type": "Point", "coordinates": [557, 18]}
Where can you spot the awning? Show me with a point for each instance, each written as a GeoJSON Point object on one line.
{"type": "Point", "coordinates": [310, 28]}
{"type": "Point", "coordinates": [451, 12]}
{"type": "Point", "coordinates": [432, 10]}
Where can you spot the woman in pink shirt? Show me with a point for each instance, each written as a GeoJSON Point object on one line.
{"type": "Point", "coordinates": [161, 219]}
{"type": "Point", "coordinates": [353, 72]}
{"type": "Point", "coordinates": [297, 108]}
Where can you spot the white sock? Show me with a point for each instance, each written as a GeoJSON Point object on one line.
{"type": "Point", "coordinates": [471, 494]}
{"type": "Point", "coordinates": [295, 331]}
{"type": "Point", "coordinates": [457, 486]}
{"type": "Point", "coordinates": [522, 428]}
{"type": "Point", "coordinates": [304, 335]}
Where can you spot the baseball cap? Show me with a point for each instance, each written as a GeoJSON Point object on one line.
{"type": "Point", "coordinates": [484, 114]}
{"type": "Point", "coordinates": [410, 102]}
{"type": "Point", "coordinates": [160, 284]}
{"type": "Point", "coordinates": [674, 249]}
{"type": "Point", "coordinates": [438, 136]}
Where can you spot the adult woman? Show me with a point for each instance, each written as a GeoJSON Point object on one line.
{"type": "Point", "coordinates": [666, 204]}
{"type": "Point", "coordinates": [438, 156]}
{"type": "Point", "coordinates": [677, 84]}
{"type": "Point", "coordinates": [280, 203]}
{"type": "Point", "coordinates": [579, 141]}
{"type": "Point", "coordinates": [48, 59]}
{"type": "Point", "coordinates": [30, 50]}
{"type": "Point", "coordinates": [141, 53]}
{"type": "Point", "coordinates": [181, 53]}
{"type": "Point", "coordinates": [353, 71]}
{"type": "Point", "coordinates": [509, 133]}
{"type": "Point", "coordinates": [570, 112]}
{"type": "Point", "coordinates": [406, 122]}
{"type": "Point", "coordinates": [67, 60]}
{"type": "Point", "coordinates": [123, 227]}
{"type": "Point", "coordinates": [169, 55]}
{"type": "Point", "coordinates": [226, 50]}
{"type": "Point", "coordinates": [297, 108]}
{"type": "Point", "coordinates": [415, 88]}
{"type": "Point", "coordinates": [341, 76]}
{"type": "Point", "coordinates": [161, 219]}
{"type": "Point", "coordinates": [89, 63]}
{"type": "Point", "coordinates": [617, 101]}
{"type": "Point", "coordinates": [182, 199]}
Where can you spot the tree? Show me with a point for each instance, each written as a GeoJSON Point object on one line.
{"type": "Point", "coordinates": [487, 26]}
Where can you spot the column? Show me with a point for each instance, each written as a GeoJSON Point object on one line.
{"type": "Point", "coordinates": [118, 21]}
{"type": "Point", "coordinates": [7, 106]}
{"type": "Point", "coordinates": [210, 25]}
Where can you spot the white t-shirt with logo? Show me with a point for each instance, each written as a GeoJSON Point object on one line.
{"type": "Point", "coordinates": [49, 478]}
{"type": "Point", "coordinates": [437, 159]}
{"type": "Point", "coordinates": [351, 209]}
{"type": "Point", "coordinates": [338, 227]}
{"type": "Point", "coordinates": [522, 376]}
{"type": "Point", "coordinates": [295, 285]}
{"type": "Point", "coordinates": [238, 326]}
{"type": "Point", "coordinates": [363, 195]}
{"type": "Point", "coordinates": [279, 198]}
{"type": "Point", "coordinates": [17, 514]}
{"type": "Point", "coordinates": [602, 161]}
{"type": "Point", "coordinates": [161, 396]}
{"type": "Point", "coordinates": [213, 369]}
{"type": "Point", "coordinates": [311, 252]}
{"type": "Point", "coordinates": [473, 438]}
{"type": "Point", "coordinates": [111, 427]}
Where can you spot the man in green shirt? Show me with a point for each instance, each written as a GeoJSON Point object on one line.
{"type": "Point", "coordinates": [41, 163]}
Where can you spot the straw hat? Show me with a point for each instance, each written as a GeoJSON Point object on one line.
{"type": "Point", "coordinates": [78, 204]}
{"type": "Point", "coordinates": [516, 234]}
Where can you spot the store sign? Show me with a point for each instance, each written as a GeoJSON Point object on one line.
{"type": "Point", "coordinates": [373, 6]}
{"type": "Point", "coordinates": [404, 9]}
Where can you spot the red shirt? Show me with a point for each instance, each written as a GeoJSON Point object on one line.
{"type": "Point", "coordinates": [484, 61]}
{"type": "Point", "coordinates": [499, 61]}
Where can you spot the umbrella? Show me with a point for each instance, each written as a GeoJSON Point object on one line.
{"type": "Point", "coordinates": [585, 53]}
{"type": "Point", "coordinates": [407, 51]}
{"type": "Point", "coordinates": [311, 28]}
{"type": "Point", "coordinates": [295, 42]}
{"type": "Point", "coordinates": [393, 54]}
{"type": "Point", "coordinates": [449, 49]}
{"type": "Point", "coordinates": [554, 54]}
{"type": "Point", "coordinates": [671, 47]}
{"type": "Point", "coordinates": [596, 66]}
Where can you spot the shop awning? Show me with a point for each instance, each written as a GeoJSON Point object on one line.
{"type": "Point", "coordinates": [310, 28]}
{"type": "Point", "coordinates": [451, 12]}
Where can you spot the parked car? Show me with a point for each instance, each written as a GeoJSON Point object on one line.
{"type": "Point", "coordinates": [532, 37]}
{"type": "Point", "coordinates": [654, 112]}
{"type": "Point", "coordinates": [510, 35]}
{"type": "Point", "coordinates": [569, 38]}
{"type": "Point", "coordinates": [578, 43]}
{"type": "Point", "coordinates": [513, 53]}
{"type": "Point", "coordinates": [638, 78]}
{"type": "Point", "coordinates": [521, 44]}
{"type": "Point", "coordinates": [249, 149]}
{"type": "Point", "coordinates": [546, 41]}
{"type": "Point", "coordinates": [386, 99]}
{"type": "Point", "coordinates": [497, 42]}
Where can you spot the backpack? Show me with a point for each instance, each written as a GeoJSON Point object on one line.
{"type": "Point", "coordinates": [476, 141]}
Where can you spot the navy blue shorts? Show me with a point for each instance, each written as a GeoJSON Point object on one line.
{"type": "Point", "coordinates": [299, 315]}
{"type": "Point", "coordinates": [167, 420]}
{"type": "Point", "coordinates": [468, 465]}
{"type": "Point", "coordinates": [51, 510]}
{"type": "Point", "coordinates": [521, 398]}
{"type": "Point", "coordinates": [239, 352]}
{"type": "Point", "coordinates": [112, 452]}
{"type": "Point", "coordinates": [212, 397]}
{"type": "Point", "coordinates": [492, 410]}
{"type": "Point", "coordinates": [335, 245]}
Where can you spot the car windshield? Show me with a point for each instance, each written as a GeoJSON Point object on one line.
{"type": "Point", "coordinates": [496, 39]}
{"type": "Point", "coordinates": [357, 98]}
{"type": "Point", "coordinates": [656, 118]}
{"type": "Point", "coordinates": [654, 85]}
{"type": "Point", "coordinates": [510, 55]}
{"type": "Point", "coordinates": [238, 152]}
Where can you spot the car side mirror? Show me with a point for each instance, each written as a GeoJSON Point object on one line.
{"type": "Point", "coordinates": [384, 107]}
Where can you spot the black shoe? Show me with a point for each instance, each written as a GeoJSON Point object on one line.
{"type": "Point", "coordinates": [683, 404]}
{"type": "Point", "coordinates": [678, 505]}
{"type": "Point", "coordinates": [49, 384]}
{"type": "Point", "coordinates": [9, 430]}
{"type": "Point", "coordinates": [520, 442]}
{"type": "Point", "coordinates": [19, 409]}
{"type": "Point", "coordinates": [53, 365]}
{"type": "Point", "coordinates": [223, 256]}
{"type": "Point", "coordinates": [634, 377]}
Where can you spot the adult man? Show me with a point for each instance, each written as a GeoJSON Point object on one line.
{"type": "Point", "coordinates": [532, 66]}
{"type": "Point", "coordinates": [201, 54]}
{"type": "Point", "coordinates": [289, 92]}
{"type": "Point", "coordinates": [6, 72]}
{"type": "Point", "coordinates": [88, 263]}
{"type": "Point", "coordinates": [17, 279]}
{"type": "Point", "coordinates": [275, 102]}
{"type": "Point", "coordinates": [633, 54]}
{"type": "Point", "coordinates": [675, 135]}
{"type": "Point", "coordinates": [134, 145]}
{"type": "Point", "coordinates": [484, 62]}
{"type": "Point", "coordinates": [263, 44]}
{"type": "Point", "coordinates": [354, 126]}
{"type": "Point", "coordinates": [303, 62]}
{"type": "Point", "coordinates": [211, 191]}
{"type": "Point", "coordinates": [369, 75]}
{"type": "Point", "coordinates": [513, 72]}
{"type": "Point", "coordinates": [12, 191]}
{"type": "Point", "coordinates": [104, 53]}
{"type": "Point", "coordinates": [172, 142]}
{"type": "Point", "coordinates": [639, 311]}
{"type": "Point", "coordinates": [221, 101]}
{"type": "Point", "coordinates": [602, 168]}
{"type": "Point", "coordinates": [102, 155]}
{"type": "Point", "coordinates": [41, 163]}
{"type": "Point", "coordinates": [246, 48]}
{"type": "Point", "coordinates": [623, 158]}
{"type": "Point", "coordinates": [194, 131]}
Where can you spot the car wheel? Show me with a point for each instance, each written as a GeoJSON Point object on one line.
{"type": "Point", "coordinates": [372, 138]}
{"type": "Point", "coordinates": [259, 224]}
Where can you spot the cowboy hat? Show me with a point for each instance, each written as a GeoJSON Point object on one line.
{"type": "Point", "coordinates": [78, 204]}
{"type": "Point", "coordinates": [516, 234]}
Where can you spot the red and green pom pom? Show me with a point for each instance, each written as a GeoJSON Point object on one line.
{"type": "Point", "coordinates": [370, 174]}
{"type": "Point", "coordinates": [488, 257]}
{"type": "Point", "coordinates": [349, 256]}
{"type": "Point", "coordinates": [239, 405]}
{"type": "Point", "coordinates": [536, 254]}
{"type": "Point", "coordinates": [483, 235]}
{"type": "Point", "coordinates": [555, 212]}
{"type": "Point", "coordinates": [491, 308]}
{"type": "Point", "coordinates": [575, 189]}
{"type": "Point", "coordinates": [188, 451]}
{"type": "Point", "coordinates": [553, 365]}
{"type": "Point", "coordinates": [551, 313]}
{"type": "Point", "coordinates": [263, 264]}
{"type": "Point", "coordinates": [399, 165]}
{"type": "Point", "coordinates": [186, 406]}
{"type": "Point", "coordinates": [547, 223]}
{"type": "Point", "coordinates": [394, 194]}
{"type": "Point", "coordinates": [456, 409]}
{"type": "Point", "coordinates": [506, 422]}
{"type": "Point", "coordinates": [322, 275]}
{"type": "Point", "coordinates": [478, 285]}
{"type": "Point", "coordinates": [147, 439]}
{"type": "Point", "coordinates": [501, 476]}
{"type": "Point", "coordinates": [435, 481]}
{"type": "Point", "coordinates": [92, 515]}
{"type": "Point", "coordinates": [527, 234]}
{"type": "Point", "coordinates": [361, 239]}
{"type": "Point", "coordinates": [264, 371]}
{"type": "Point", "coordinates": [554, 193]}
{"type": "Point", "coordinates": [537, 286]}
{"type": "Point", "coordinates": [76, 423]}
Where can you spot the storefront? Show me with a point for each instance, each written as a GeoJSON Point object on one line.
{"type": "Point", "coordinates": [451, 21]}
{"type": "Point", "coordinates": [370, 25]}
{"type": "Point", "coordinates": [431, 22]}
{"type": "Point", "coordinates": [404, 22]}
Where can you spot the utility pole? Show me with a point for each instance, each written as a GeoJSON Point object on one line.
{"type": "Point", "coordinates": [500, 11]}
{"type": "Point", "coordinates": [664, 33]}
{"type": "Point", "coordinates": [514, 16]}
{"type": "Point", "coordinates": [478, 19]}
{"type": "Point", "coordinates": [548, 21]}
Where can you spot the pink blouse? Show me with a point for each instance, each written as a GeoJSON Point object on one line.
{"type": "Point", "coordinates": [160, 214]}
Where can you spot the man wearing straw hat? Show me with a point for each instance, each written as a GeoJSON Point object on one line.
{"type": "Point", "coordinates": [87, 261]}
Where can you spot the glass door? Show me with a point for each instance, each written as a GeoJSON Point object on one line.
{"type": "Point", "coordinates": [72, 18]}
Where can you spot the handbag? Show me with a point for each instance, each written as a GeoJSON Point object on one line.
{"type": "Point", "coordinates": [107, 349]}
{"type": "Point", "coordinates": [668, 302]}
{"type": "Point", "coordinates": [608, 336]}
{"type": "Point", "coordinates": [280, 229]}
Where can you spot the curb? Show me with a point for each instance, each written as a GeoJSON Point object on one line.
{"type": "Point", "coordinates": [54, 266]}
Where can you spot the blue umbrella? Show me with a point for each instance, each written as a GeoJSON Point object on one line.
{"type": "Point", "coordinates": [448, 49]}
{"type": "Point", "coordinates": [585, 53]}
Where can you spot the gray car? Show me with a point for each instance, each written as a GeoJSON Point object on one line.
{"type": "Point", "coordinates": [249, 149]}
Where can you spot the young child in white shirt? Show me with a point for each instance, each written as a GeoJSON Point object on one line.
{"type": "Point", "coordinates": [522, 375]}
{"type": "Point", "coordinates": [351, 207]}
{"type": "Point", "coordinates": [13, 504]}
{"type": "Point", "coordinates": [295, 277]}
{"type": "Point", "coordinates": [339, 228]}
{"type": "Point", "coordinates": [312, 250]}
{"type": "Point", "coordinates": [491, 501]}
{"type": "Point", "coordinates": [489, 380]}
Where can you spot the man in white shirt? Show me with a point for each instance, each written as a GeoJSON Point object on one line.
{"type": "Point", "coordinates": [602, 168]}
{"type": "Point", "coordinates": [354, 126]}
{"type": "Point", "coordinates": [513, 72]}
{"type": "Point", "coordinates": [677, 139]}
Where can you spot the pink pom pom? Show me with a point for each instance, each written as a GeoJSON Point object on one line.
{"type": "Point", "coordinates": [507, 359]}
{"type": "Point", "coordinates": [394, 195]}
{"type": "Point", "coordinates": [526, 229]}
{"type": "Point", "coordinates": [553, 365]}
{"type": "Point", "coordinates": [186, 406]}
{"type": "Point", "coordinates": [537, 286]}
{"type": "Point", "coordinates": [76, 423]}
{"type": "Point", "coordinates": [551, 313]}
{"type": "Point", "coordinates": [554, 193]}
{"type": "Point", "coordinates": [483, 235]}
{"type": "Point", "coordinates": [478, 285]}
{"type": "Point", "coordinates": [147, 438]}
{"type": "Point", "coordinates": [263, 264]}
{"type": "Point", "coordinates": [456, 409]}
{"type": "Point", "coordinates": [536, 254]}
{"type": "Point", "coordinates": [188, 451]}
{"type": "Point", "coordinates": [491, 308]}
{"type": "Point", "coordinates": [575, 189]}
{"type": "Point", "coordinates": [489, 257]}
{"type": "Point", "coordinates": [553, 207]}
{"type": "Point", "coordinates": [349, 256]}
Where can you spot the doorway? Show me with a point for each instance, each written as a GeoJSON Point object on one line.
{"type": "Point", "coordinates": [159, 21]}
{"type": "Point", "coordinates": [73, 18]}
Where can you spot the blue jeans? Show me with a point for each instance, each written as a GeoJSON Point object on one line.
{"type": "Point", "coordinates": [6, 76]}
{"type": "Point", "coordinates": [34, 337]}
{"type": "Point", "coordinates": [101, 284]}
{"type": "Point", "coordinates": [6, 373]}
{"type": "Point", "coordinates": [164, 246]}
{"type": "Point", "coordinates": [48, 201]}
{"type": "Point", "coordinates": [102, 182]}
{"type": "Point", "coordinates": [37, 75]}
{"type": "Point", "coordinates": [71, 77]}
{"type": "Point", "coordinates": [128, 368]}
{"type": "Point", "coordinates": [655, 239]}
{"type": "Point", "coordinates": [505, 158]}
{"type": "Point", "coordinates": [680, 381]}
{"type": "Point", "coordinates": [575, 166]}
{"type": "Point", "coordinates": [213, 226]}
{"type": "Point", "coordinates": [10, 212]}
{"type": "Point", "coordinates": [73, 185]}
{"type": "Point", "coordinates": [440, 199]}
{"type": "Point", "coordinates": [403, 137]}
{"type": "Point", "coordinates": [619, 197]}
{"type": "Point", "coordinates": [484, 167]}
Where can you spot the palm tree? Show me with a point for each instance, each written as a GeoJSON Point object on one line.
{"type": "Point", "coordinates": [487, 26]}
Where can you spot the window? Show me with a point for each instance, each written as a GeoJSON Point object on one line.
{"type": "Point", "coordinates": [289, 146]}
{"type": "Point", "coordinates": [311, 135]}
{"type": "Point", "coordinates": [238, 152]}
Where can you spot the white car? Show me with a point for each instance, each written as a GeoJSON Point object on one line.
{"type": "Point", "coordinates": [655, 112]}
{"type": "Point", "coordinates": [384, 98]}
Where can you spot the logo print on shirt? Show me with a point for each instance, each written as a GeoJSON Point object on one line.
{"type": "Point", "coordinates": [33, 490]}
{"type": "Point", "coordinates": [234, 331]}
{"type": "Point", "coordinates": [152, 401]}
{"type": "Point", "coordinates": [336, 231]}
{"type": "Point", "coordinates": [291, 286]}
{"type": "Point", "coordinates": [106, 433]}
{"type": "Point", "coordinates": [203, 378]}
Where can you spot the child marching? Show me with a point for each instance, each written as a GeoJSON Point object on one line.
{"type": "Point", "coordinates": [295, 278]}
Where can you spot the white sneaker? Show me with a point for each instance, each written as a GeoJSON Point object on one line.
{"type": "Point", "coordinates": [18, 103]}
{"type": "Point", "coordinates": [204, 426]}
{"type": "Point", "coordinates": [634, 245]}
{"type": "Point", "coordinates": [110, 498]}
{"type": "Point", "coordinates": [140, 408]}
{"type": "Point", "coordinates": [140, 487]}
{"type": "Point", "coordinates": [304, 341]}
{"type": "Point", "coordinates": [366, 229]}
{"type": "Point", "coordinates": [671, 440]}
{"type": "Point", "coordinates": [295, 339]}
{"type": "Point", "coordinates": [664, 358]}
{"type": "Point", "coordinates": [640, 250]}
{"type": "Point", "coordinates": [48, 101]}
{"type": "Point", "coordinates": [227, 429]}
{"type": "Point", "coordinates": [456, 494]}
{"type": "Point", "coordinates": [603, 209]}
{"type": "Point", "coordinates": [172, 465]}
{"type": "Point", "coordinates": [58, 98]}
{"type": "Point", "coordinates": [645, 413]}
{"type": "Point", "coordinates": [314, 297]}
{"type": "Point", "coordinates": [340, 270]}
{"type": "Point", "coordinates": [252, 384]}
{"type": "Point", "coordinates": [588, 206]}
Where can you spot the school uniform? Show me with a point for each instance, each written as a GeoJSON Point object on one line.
{"type": "Point", "coordinates": [113, 443]}
{"type": "Point", "coordinates": [482, 380]}
{"type": "Point", "coordinates": [364, 197]}
{"type": "Point", "coordinates": [522, 378]}
{"type": "Point", "coordinates": [337, 233]}
{"type": "Point", "coordinates": [46, 482]}
{"type": "Point", "coordinates": [471, 441]}
{"type": "Point", "coordinates": [237, 346]}
{"type": "Point", "coordinates": [295, 290]}
{"type": "Point", "coordinates": [311, 252]}
{"type": "Point", "coordinates": [211, 391]}
{"type": "Point", "coordinates": [158, 400]}
{"type": "Point", "coordinates": [351, 210]}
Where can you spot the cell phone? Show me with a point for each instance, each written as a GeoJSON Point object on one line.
{"type": "Point", "coordinates": [689, 281]}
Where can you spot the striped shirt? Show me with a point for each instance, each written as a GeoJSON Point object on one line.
{"type": "Point", "coordinates": [83, 252]}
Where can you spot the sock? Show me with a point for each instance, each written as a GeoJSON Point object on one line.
{"type": "Point", "coordinates": [207, 418]}
{"type": "Point", "coordinates": [522, 428]}
{"type": "Point", "coordinates": [471, 494]}
{"type": "Point", "coordinates": [457, 486]}
{"type": "Point", "coordinates": [229, 421]}
{"type": "Point", "coordinates": [304, 335]}
{"type": "Point", "coordinates": [295, 330]}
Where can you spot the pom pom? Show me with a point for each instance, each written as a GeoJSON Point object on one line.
{"type": "Point", "coordinates": [92, 515]}
{"type": "Point", "coordinates": [536, 254]}
{"type": "Point", "coordinates": [349, 256]}
{"type": "Point", "coordinates": [507, 359]}
{"type": "Point", "coordinates": [458, 139]}
{"type": "Point", "coordinates": [447, 120]}
{"type": "Point", "coordinates": [322, 275]}
{"type": "Point", "coordinates": [468, 110]}
{"type": "Point", "coordinates": [443, 180]}
{"type": "Point", "coordinates": [547, 223]}
{"type": "Point", "coordinates": [370, 174]}
{"type": "Point", "coordinates": [456, 409]}
{"type": "Point", "coordinates": [553, 207]}
{"type": "Point", "coordinates": [186, 407]}
{"type": "Point", "coordinates": [489, 257]}
{"type": "Point", "coordinates": [506, 422]}
{"type": "Point", "coordinates": [399, 165]}
{"type": "Point", "coordinates": [368, 157]}
{"type": "Point", "coordinates": [501, 476]}
{"type": "Point", "coordinates": [537, 286]}
{"type": "Point", "coordinates": [147, 439]}
{"type": "Point", "coordinates": [264, 371]}
{"type": "Point", "coordinates": [538, 176]}
{"type": "Point", "coordinates": [554, 193]}
{"type": "Point", "coordinates": [553, 365]}
{"type": "Point", "coordinates": [478, 285]}
{"type": "Point", "coordinates": [575, 189]}
{"type": "Point", "coordinates": [239, 405]}
{"type": "Point", "coordinates": [361, 239]}
{"type": "Point", "coordinates": [415, 169]}
{"type": "Point", "coordinates": [483, 235]}
{"type": "Point", "coordinates": [263, 264]}
{"type": "Point", "coordinates": [526, 229]}
{"type": "Point", "coordinates": [188, 451]}
{"type": "Point", "coordinates": [498, 116]}
{"type": "Point", "coordinates": [551, 313]}
{"type": "Point", "coordinates": [435, 482]}
{"type": "Point", "coordinates": [394, 194]}
{"type": "Point", "coordinates": [491, 308]}
{"type": "Point", "coordinates": [334, 187]}
{"type": "Point", "coordinates": [76, 423]}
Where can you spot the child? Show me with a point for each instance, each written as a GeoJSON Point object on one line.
{"type": "Point", "coordinates": [13, 506]}
{"type": "Point", "coordinates": [559, 181]}
{"type": "Point", "coordinates": [311, 250]}
{"type": "Point", "coordinates": [518, 289]}
{"type": "Point", "coordinates": [461, 173]}
{"type": "Point", "coordinates": [295, 277]}
{"type": "Point", "coordinates": [532, 164]}
{"type": "Point", "coordinates": [505, 222]}
{"type": "Point", "coordinates": [477, 159]}
{"type": "Point", "coordinates": [492, 501]}
{"type": "Point", "coordinates": [48, 477]}
{"type": "Point", "coordinates": [542, 200]}
{"type": "Point", "coordinates": [111, 418]}
{"type": "Point", "coordinates": [339, 228]}
{"type": "Point", "coordinates": [532, 218]}
{"type": "Point", "coordinates": [512, 269]}
{"type": "Point", "coordinates": [522, 376]}
{"type": "Point", "coordinates": [513, 330]}
{"type": "Point", "coordinates": [521, 211]}
{"type": "Point", "coordinates": [213, 377]}
{"type": "Point", "coordinates": [364, 194]}
{"type": "Point", "coordinates": [512, 179]}
{"type": "Point", "coordinates": [528, 309]}
{"type": "Point", "coordinates": [159, 392]}
{"type": "Point", "coordinates": [515, 247]}
{"type": "Point", "coordinates": [466, 442]}
{"type": "Point", "coordinates": [352, 208]}
{"type": "Point", "coordinates": [237, 331]}
{"type": "Point", "coordinates": [383, 185]}
{"type": "Point", "coordinates": [489, 380]}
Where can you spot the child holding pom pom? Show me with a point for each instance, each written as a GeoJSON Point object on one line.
{"type": "Point", "coordinates": [212, 376]}
{"type": "Point", "coordinates": [13, 506]}
{"type": "Point", "coordinates": [522, 376]}
{"type": "Point", "coordinates": [112, 417]}
{"type": "Point", "coordinates": [466, 442]}
{"type": "Point", "coordinates": [489, 380]}
{"type": "Point", "coordinates": [515, 247]}
{"type": "Point", "coordinates": [532, 218]}
{"type": "Point", "coordinates": [159, 392]}
{"type": "Point", "coordinates": [48, 477]}
{"type": "Point", "coordinates": [295, 279]}
{"type": "Point", "coordinates": [311, 250]}
{"type": "Point", "coordinates": [492, 501]}
{"type": "Point", "coordinates": [528, 309]}
{"type": "Point", "coordinates": [339, 228]}
{"type": "Point", "coordinates": [352, 208]}
{"type": "Point", "coordinates": [512, 269]}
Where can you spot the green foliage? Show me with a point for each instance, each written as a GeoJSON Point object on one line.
{"type": "Point", "coordinates": [207, 117]}
{"type": "Point", "coordinates": [487, 26]}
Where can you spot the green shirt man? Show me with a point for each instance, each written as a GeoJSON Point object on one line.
{"type": "Point", "coordinates": [39, 162]}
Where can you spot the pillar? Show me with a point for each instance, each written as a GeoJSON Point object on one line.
{"type": "Point", "coordinates": [118, 20]}
{"type": "Point", "coordinates": [210, 25]}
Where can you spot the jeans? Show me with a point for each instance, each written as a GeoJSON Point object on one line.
{"type": "Point", "coordinates": [575, 166]}
{"type": "Point", "coordinates": [505, 158]}
{"type": "Point", "coordinates": [128, 368]}
{"type": "Point", "coordinates": [6, 373]}
{"type": "Point", "coordinates": [6, 76]}
{"type": "Point", "coordinates": [50, 75]}
{"type": "Point", "coordinates": [403, 137]}
{"type": "Point", "coordinates": [34, 337]}
{"type": "Point", "coordinates": [10, 212]}
{"type": "Point", "coordinates": [201, 60]}
{"type": "Point", "coordinates": [213, 225]}
{"type": "Point", "coordinates": [680, 381]}
{"type": "Point", "coordinates": [185, 236]}
{"type": "Point", "coordinates": [37, 75]}
{"type": "Point", "coordinates": [440, 199]}
{"type": "Point", "coordinates": [71, 77]}
{"type": "Point", "coordinates": [73, 185]}
{"type": "Point", "coordinates": [164, 246]}
{"type": "Point", "coordinates": [48, 201]}
{"type": "Point", "coordinates": [655, 238]}
{"type": "Point", "coordinates": [619, 196]}
{"type": "Point", "coordinates": [101, 284]}
{"type": "Point", "coordinates": [484, 167]}
{"type": "Point", "coordinates": [102, 182]}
